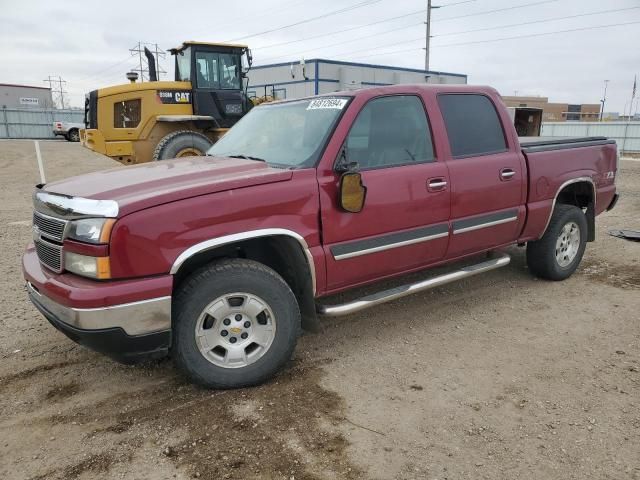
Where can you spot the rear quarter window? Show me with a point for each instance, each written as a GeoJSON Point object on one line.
{"type": "Point", "coordinates": [473, 125]}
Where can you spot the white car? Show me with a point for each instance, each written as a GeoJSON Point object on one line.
{"type": "Point", "coordinates": [69, 130]}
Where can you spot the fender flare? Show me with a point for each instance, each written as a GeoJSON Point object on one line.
{"type": "Point", "coordinates": [237, 237]}
{"type": "Point", "coordinates": [562, 187]}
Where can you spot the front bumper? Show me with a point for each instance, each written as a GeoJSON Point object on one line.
{"type": "Point", "coordinates": [614, 201]}
{"type": "Point", "coordinates": [128, 320]}
{"type": "Point", "coordinates": [101, 329]}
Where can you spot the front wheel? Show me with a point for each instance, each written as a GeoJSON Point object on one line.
{"type": "Point", "coordinates": [236, 323]}
{"type": "Point", "coordinates": [559, 252]}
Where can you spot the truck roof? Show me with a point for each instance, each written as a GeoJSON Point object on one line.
{"type": "Point", "coordinates": [414, 88]}
{"type": "Point", "coordinates": [409, 88]}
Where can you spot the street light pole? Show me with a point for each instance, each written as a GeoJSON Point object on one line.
{"type": "Point", "coordinates": [604, 99]}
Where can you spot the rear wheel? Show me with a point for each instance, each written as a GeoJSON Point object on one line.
{"type": "Point", "coordinates": [559, 252]}
{"type": "Point", "coordinates": [236, 324]}
{"type": "Point", "coordinates": [183, 143]}
{"type": "Point", "coordinates": [73, 135]}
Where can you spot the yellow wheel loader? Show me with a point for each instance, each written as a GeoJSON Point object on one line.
{"type": "Point", "coordinates": [147, 121]}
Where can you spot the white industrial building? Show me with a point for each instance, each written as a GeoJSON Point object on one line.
{"type": "Point", "coordinates": [24, 96]}
{"type": "Point", "coordinates": [317, 76]}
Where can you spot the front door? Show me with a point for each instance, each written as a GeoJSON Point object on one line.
{"type": "Point", "coordinates": [404, 222]}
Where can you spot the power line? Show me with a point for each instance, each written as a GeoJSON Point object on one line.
{"type": "Point", "coordinates": [492, 40]}
{"type": "Point", "coordinates": [536, 21]}
{"type": "Point", "coordinates": [339, 31]}
{"type": "Point", "coordinates": [398, 17]}
{"type": "Point", "coordinates": [377, 34]}
{"type": "Point", "coordinates": [539, 34]}
{"type": "Point", "coordinates": [486, 12]}
{"type": "Point", "coordinates": [97, 73]}
{"type": "Point", "coordinates": [417, 12]}
{"type": "Point", "coordinates": [269, 12]}
{"type": "Point", "coordinates": [366, 3]}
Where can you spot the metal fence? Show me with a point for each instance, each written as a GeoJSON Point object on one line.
{"type": "Point", "coordinates": [626, 134]}
{"type": "Point", "coordinates": [34, 122]}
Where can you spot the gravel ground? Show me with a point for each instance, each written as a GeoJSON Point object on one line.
{"type": "Point", "coordinates": [498, 376]}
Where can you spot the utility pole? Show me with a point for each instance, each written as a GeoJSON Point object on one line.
{"type": "Point", "coordinates": [633, 95]}
{"type": "Point", "coordinates": [143, 68]}
{"type": "Point", "coordinates": [58, 89]}
{"type": "Point", "coordinates": [604, 99]}
{"type": "Point", "coordinates": [428, 35]}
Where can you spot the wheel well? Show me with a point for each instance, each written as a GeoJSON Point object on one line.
{"type": "Point", "coordinates": [581, 194]}
{"type": "Point", "coordinates": [279, 252]}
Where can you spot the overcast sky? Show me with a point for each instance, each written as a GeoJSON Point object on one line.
{"type": "Point", "coordinates": [86, 42]}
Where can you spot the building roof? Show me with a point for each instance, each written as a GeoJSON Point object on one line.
{"type": "Point", "coordinates": [22, 86]}
{"type": "Point", "coordinates": [367, 65]}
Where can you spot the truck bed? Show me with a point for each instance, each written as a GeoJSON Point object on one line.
{"type": "Point", "coordinates": [556, 162]}
{"type": "Point", "coordinates": [541, 144]}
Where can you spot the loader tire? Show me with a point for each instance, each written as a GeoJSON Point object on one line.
{"type": "Point", "coordinates": [183, 143]}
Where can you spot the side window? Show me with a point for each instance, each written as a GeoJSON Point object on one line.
{"type": "Point", "coordinates": [207, 70]}
{"type": "Point", "coordinates": [390, 131]}
{"type": "Point", "coordinates": [229, 71]}
{"type": "Point", "coordinates": [126, 114]}
{"type": "Point", "coordinates": [473, 126]}
{"type": "Point", "coordinates": [183, 65]}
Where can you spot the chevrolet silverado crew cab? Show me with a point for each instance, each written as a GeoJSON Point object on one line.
{"type": "Point", "coordinates": [221, 260]}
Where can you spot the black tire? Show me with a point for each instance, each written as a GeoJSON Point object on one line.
{"type": "Point", "coordinates": [541, 254]}
{"type": "Point", "coordinates": [222, 278]}
{"type": "Point", "coordinates": [172, 144]}
{"type": "Point", "coordinates": [73, 135]}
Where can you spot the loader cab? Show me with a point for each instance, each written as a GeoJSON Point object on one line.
{"type": "Point", "coordinates": [216, 72]}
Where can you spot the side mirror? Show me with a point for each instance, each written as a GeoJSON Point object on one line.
{"type": "Point", "coordinates": [352, 192]}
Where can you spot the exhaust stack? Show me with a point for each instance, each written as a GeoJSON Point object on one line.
{"type": "Point", "coordinates": [151, 62]}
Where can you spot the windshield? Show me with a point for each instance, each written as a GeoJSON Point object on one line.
{"type": "Point", "coordinates": [290, 134]}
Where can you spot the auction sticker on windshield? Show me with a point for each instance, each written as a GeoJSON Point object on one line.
{"type": "Point", "coordinates": [337, 103]}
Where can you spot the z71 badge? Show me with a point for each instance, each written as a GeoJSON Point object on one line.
{"type": "Point", "coordinates": [174, 96]}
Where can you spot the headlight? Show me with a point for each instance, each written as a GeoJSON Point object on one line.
{"type": "Point", "coordinates": [91, 230]}
{"type": "Point", "coordinates": [92, 267]}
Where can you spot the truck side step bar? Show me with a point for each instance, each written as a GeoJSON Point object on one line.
{"type": "Point", "coordinates": [497, 260]}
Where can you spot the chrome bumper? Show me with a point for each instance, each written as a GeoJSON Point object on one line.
{"type": "Point", "coordinates": [137, 318]}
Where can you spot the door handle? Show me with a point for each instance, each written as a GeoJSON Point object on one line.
{"type": "Point", "coordinates": [436, 184]}
{"type": "Point", "coordinates": [507, 173]}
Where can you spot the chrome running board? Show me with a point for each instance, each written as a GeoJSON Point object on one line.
{"type": "Point", "coordinates": [498, 260]}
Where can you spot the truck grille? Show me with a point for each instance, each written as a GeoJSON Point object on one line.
{"type": "Point", "coordinates": [50, 255]}
{"type": "Point", "coordinates": [48, 234]}
{"type": "Point", "coordinates": [49, 227]}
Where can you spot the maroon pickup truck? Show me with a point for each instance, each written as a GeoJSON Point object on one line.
{"type": "Point", "coordinates": [221, 260]}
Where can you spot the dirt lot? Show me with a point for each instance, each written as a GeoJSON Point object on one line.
{"type": "Point", "coordinates": [499, 376]}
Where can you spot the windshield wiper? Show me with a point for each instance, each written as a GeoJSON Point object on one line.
{"type": "Point", "coordinates": [248, 157]}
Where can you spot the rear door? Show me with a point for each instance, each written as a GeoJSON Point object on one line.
{"type": "Point", "coordinates": [404, 222]}
{"type": "Point", "coordinates": [487, 172]}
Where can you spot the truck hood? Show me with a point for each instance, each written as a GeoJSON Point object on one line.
{"type": "Point", "coordinates": [142, 186]}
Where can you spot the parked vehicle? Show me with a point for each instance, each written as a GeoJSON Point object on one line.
{"type": "Point", "coordinates": [221, 260]}
{"type": "Point", "coordinates": [69, 130]}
